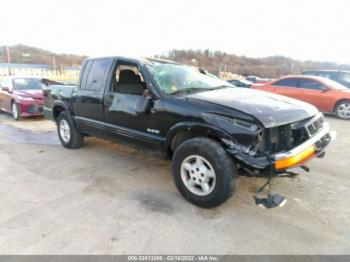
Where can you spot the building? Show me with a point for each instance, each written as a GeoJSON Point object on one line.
{"type": "Point", "coordinates": [40, 70]}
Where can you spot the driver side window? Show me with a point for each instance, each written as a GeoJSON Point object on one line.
{"type": "Point", "coordinates": [127, 79]}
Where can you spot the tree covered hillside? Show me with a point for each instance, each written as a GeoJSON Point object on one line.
{"type": "Point", "coordinates": [270, 67]}
{"type": "Point", "coordinates": [31, 55]}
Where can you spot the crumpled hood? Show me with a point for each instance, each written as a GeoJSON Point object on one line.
{"type": "Point", "coordinates": [270, 109]}
{"type": "Point", "coordinates": [33, 93]}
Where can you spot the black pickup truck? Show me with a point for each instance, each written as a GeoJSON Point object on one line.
{"type": "Point", "coordinates": [208, 128]}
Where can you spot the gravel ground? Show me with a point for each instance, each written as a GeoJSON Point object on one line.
{"type": "Point", "coordinates": [109, 199]}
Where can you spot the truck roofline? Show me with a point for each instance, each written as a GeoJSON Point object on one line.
{"type": "Point", "coordinates": [135, 59]}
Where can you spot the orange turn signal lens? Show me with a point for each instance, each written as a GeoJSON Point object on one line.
{"type": "Point", "coordinates": [293, 160]}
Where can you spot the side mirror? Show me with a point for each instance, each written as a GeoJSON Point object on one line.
{"type": "Point", "coordinates": [142, 105]}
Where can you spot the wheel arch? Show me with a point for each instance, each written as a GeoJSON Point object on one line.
{"type": "Point", "coordinates": [181, 132]}
{"type": "Point", "coordinates": [58, 108]}
{"type": "Point", "coordinates": [338, 102]}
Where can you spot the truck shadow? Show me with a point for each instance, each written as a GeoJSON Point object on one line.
{"type": "Point", "coordinates": [156, 177]}
{"type": "Point", "coordinates": [103, 165]}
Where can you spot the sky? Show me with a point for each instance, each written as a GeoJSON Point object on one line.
{"type": "Point", "coordinates": [301, 29]}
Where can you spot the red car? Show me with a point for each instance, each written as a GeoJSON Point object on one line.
{"type": "Point", "coordinates": [327, 95]}
{"type": "Point", "coordinates": [21, 96]}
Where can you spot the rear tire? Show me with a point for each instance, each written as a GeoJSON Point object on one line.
{"type": "Point", "coordinates": [15, 112]}
{"type": "Point", "coordinates": [68, 133]}
{"type": "Point", "coordinates": [342, 109]}
{"type": "Point", "coordinates": [204, 173]}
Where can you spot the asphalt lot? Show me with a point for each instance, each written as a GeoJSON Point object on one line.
{"type": "Point", "coordinates": [110, 199]}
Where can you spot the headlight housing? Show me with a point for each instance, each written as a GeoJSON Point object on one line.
{"type": "Point", "coordinates": [246, 136]}
{"type": "Point", "coordinates": [228, 123]}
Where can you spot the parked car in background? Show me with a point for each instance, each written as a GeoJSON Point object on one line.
{"type": "Point", "coordinates": [21, 96]}
{"type": "Point", "coordinates": [205, 126]}
{"type": "Point", "coordinates": [256, 79]}
{"type": "Point", "coordinates": [240, 83]}
{"type": "Point", "coordinates": [340, 76]}
{"type": "Point", "coordinates": [326, 94]}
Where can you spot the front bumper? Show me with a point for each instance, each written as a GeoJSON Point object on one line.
{"type": "Point", "coordinates": [30, 108]}
{"type": "Point", "coordinates": [304, 152]}
{"type": "Point", "coordinates": [282, 161]}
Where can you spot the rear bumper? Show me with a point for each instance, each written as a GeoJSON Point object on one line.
{"type": "Point", "coordinates": [30, 108]}
{"type": "Point", "coordinates": [282, 161]}
{"type": "Point", "coordinates": [48, 113]}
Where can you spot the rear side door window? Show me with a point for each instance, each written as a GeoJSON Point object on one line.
{"type": "Point", "coordinates": [85, 73]}
{"type": "Point", "coordinates": [311, 84]}
{"type": "Point", "coordinates": [98, 71]}
{"type": "Point", "coordinates": [287, 82]}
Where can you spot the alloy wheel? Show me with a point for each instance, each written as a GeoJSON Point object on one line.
{"type": "Point", "coordinates": [65, 130]}
{"type": "Point", "coordinates": [198, 175]}
{"type": "Point", "coordinates": [343, 110]}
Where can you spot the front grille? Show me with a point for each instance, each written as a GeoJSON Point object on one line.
{"type": "Point", "coordinates": [285, 137]}
{"type": "Point", "coordinates": [288, 136]}
{"type": "Point", "coordinates": [35, 109]}
{"type": "Point", "coordinates": [315, 125]}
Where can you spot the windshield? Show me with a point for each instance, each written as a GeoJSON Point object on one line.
{"type": "Point", "coordinates": [172, 78]}
{"type": "Point", "coordinates": [26, 83]}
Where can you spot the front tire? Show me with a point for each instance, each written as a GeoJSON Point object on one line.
{"type": "Point", "coordinates": [68, 133]}
{"type": "Point", "coordinates": [15, 112]}
{"type": "Point", "coordinates": [343, 109]}
{"type": "Point", "coordinates": [204, 173]}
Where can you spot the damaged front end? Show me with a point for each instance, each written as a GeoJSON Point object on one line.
{"type": "Point", "coordinates": [262, 150]}
{"type": "Point", "coordinates": [310, 137]}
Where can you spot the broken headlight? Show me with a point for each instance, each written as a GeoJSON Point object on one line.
{"type": "Point", "coordinates": [228, 123]}
{"type": "Point", "coordinates": [245, 137]}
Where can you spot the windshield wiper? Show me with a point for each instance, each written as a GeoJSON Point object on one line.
{"type": "Point", "coordinates": [192, 89]}
{"type": "Point", "coordinates": [189, 90]}
{"type": "Point", "coordinates": [220, 87]}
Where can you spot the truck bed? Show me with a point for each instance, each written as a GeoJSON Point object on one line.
{"type": "Point", "coordinates": [56, 93]}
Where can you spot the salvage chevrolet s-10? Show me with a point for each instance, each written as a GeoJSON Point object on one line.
{"type": "Point", "coordinates": [207, 127]}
